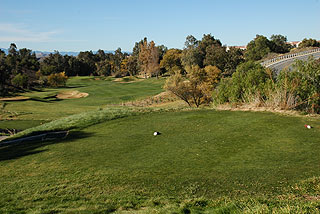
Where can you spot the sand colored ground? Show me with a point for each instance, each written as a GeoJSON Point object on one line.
{"type": "Point", "coordinates": [18, 98]}
{"type": "Point", "coordinates": [71, 95]}
{"type": "Point", "coordinates": [121, 80]}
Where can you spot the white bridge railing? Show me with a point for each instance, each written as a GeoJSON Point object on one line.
{"type": "Point", "coordinates": [270, 62]}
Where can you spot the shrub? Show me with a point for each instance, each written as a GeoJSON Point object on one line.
{"type": "Point", "coordinates": [222, 94]}
{"type": "Point", "coordinates": [247, 84]}
{"type": "Point", "coordinates": [297, 88]}
{"type": "Point", "coordinates": [58, 79]}
{"type": "Point", "coordinates": [306, 76]}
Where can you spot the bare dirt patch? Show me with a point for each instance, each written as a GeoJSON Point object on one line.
{"type": "Point", "coordinates": [18, 98]}
{"type": "Point", "coordinates": [71, 95]}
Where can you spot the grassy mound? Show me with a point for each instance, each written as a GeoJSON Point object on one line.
{"type": "Point", "coordinates": [203, 161]}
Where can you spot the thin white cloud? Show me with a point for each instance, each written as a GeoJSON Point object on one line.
{"type": "Point", "coordinates": [18, 33]}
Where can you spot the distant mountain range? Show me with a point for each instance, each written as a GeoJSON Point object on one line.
{"type": "Point", "coordinates": [41, 54]}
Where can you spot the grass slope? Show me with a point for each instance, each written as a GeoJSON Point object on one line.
{"type": "Point", "coordinates": [44, 106]}
{"type": "Point", "coordinates": [203, 161]}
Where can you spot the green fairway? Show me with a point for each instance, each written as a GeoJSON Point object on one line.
{"type": "Point", "coordinates": [203, 161]}
{"type": "Point", "coordinates": [44, 106]}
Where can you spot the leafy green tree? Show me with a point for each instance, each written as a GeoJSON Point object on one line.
{"type": "Point", "coordinates": [216, 55]}
{"type": "Point", "coordinates": [54, 63]}
{"type": "Point", "coordinates": [104, 68]}
{"type": "Point", "coordinates": [72, 66]}
{"type": "Point", "coordinates": [309, 43]}
{"type": "Point", "coordinates": [210, 50]}
{"type": "Point", "coordinates": [88, 63]}
{"type": "Point", "coordinates": [137, 46]}
{"type": "Point", "coordinates": [23, 62]}
{"type": "Point", "coordinates": [4, 74]}
{"type": "Point", "coordinates": [28, 60]}
{"type": "Point", "coordinates": [117, 59]}
{"type": "Point", "coordinates": [172, 61]}
{"type": "Point", "coordinates": [162, 51]}
{"type": "Point", "coordinates": [191, 54]}
{"type": "Point", "coordinates": [132, 65]}
{"type": "Point", "coordinates": [279, 44]}
{"type": "Point", "coordinates": [233, 59]}
{"type": "Point", "coordinates": [12, 59]}
{"type": "Point", "coordinates": [13, 50]}
{"type": "Point", "coordinates": [100, 55]}
{"type": "Point", "coordinates": [258, 48]}
{"type": "Point", "coordinates": [20, 81]}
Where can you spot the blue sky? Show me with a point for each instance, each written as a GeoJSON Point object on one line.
{"type": "Point", "coordinates": [78, 25]}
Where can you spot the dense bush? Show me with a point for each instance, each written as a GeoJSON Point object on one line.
{"type": "Point", "coordinates": [249, 83]}
{"type": "Point", "coordinates": [306, 85]}
{"type": "Point", "coordinates": [295, 88]}
{"type": "Point", "coordinates": [309, 43]}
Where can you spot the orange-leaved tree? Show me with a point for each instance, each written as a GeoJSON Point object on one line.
{"type": "Point", "coordinates": [149, 59]}
{"type": "Point", "coordinates": [196, 87]}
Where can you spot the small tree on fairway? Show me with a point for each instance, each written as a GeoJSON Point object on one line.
{"type": "Point", "coordinates": [196, 88]}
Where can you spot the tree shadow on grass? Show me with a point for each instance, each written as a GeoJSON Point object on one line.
{"type": "Point", "coordinates": [74, 86]}
{"type": "Point", "coordinates": [16, 151]}
{"type": "Point", "coordinates": [48, 99]}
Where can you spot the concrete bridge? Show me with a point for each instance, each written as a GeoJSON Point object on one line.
{"type": "Point", "coordinates": [286, 60]}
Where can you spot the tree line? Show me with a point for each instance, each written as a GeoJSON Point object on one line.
{"type": "Point", "coordinates": [194, 71]}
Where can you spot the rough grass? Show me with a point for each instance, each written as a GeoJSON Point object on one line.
{"type": "Point", "coordinates": [203, 162]}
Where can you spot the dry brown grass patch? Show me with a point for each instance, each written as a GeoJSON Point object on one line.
{"type": "Point", "coordinates": [18, 98]}
{"type": "Point", "coordinates": [255, 108]}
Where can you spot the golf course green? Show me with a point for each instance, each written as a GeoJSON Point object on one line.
{"type": "Point", "coordinates": [203, 160]}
